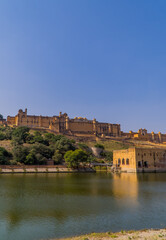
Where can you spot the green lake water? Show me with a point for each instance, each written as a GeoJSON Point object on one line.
{"type": "Point", "coordinates": [44, 206]}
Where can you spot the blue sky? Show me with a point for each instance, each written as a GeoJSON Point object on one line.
{"type": "Point", "coordinates": [92, 58]}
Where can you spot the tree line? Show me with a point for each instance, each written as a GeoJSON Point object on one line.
{"type": "Point", "coordinates": [35, 148]}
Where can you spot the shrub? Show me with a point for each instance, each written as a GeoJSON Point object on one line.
{"type": "Point", "coordinates": [5, 133]}
{"type": "Point", "coordinates": [109, 156]}
{"type": "Point", "coordinates": [84, 147]}
{"type": "Point", "coordinates": [13, 162]}
{"type": "Point", "coordinates": [98, 145]}
{"type": "Point", "coordinates": [91, 159]}
{"type": "Point", "coordinates": [2, 136]}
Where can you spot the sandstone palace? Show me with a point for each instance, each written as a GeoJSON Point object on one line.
{"type": "Point", "coordinates": [65, 125]}
{"type": "Point", "coordinates": [79, 126]}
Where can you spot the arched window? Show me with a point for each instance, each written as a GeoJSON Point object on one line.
{"type": "Point", "coordinates": [127, 161]}
{"type": "Point", "coordinates": [123, 161]}
{"type": "Point", "coordinates": [139, 164]}
{"type": "Point", "coordinates": [146, 164]}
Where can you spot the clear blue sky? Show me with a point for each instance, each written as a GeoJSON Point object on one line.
{"type": "Point", "coordinates": [90, 58]}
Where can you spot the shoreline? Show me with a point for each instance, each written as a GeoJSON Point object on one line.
{"type": "Point", "coordinates": [144, 234]}
{"type": "Point", "coordinates": [42, 169]}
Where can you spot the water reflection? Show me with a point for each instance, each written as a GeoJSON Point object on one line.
{"type": "Point", "coordinates": [126, 186]}
{"type": "Point", "coordinates": [39, 206]}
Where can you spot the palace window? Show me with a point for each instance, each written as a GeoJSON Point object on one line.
{"type": "Point", "coordinates": [123, 161]}
{"type": "Point", "coordinates": [127, 161]}
{"type": "Point", "coordinates": [146, 164]}
{"type": "Point", "coordinates": [139, 164]}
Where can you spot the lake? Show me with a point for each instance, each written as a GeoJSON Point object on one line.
{"type": "Point", "coordinates": [42, 206]}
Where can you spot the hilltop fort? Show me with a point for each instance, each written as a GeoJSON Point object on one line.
{"type": "Point", "coordinates": [79, 126]}
{"type": "Point", "coordinates": [65, 125]}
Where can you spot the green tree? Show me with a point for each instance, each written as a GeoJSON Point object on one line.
{"type": "Point", "coordinates": [19, 153]}
{"type": "Point", "coordinates": [57, 157]}
{"type": "Point", "coordinates": [30, 159]}
{"type": "Point", "coordinates": [30, 138]}
{"type": "Point", "coordinates": [50, 137]}
{"type": "Point", "coordinates": [74, 158]}
{"type": "Point", "coordinates": [38, 138]}
{"type": "Point", "coordinates": [8, 132]}
{"type": "Point", "coordinates": [19, 135]}
{"type": "Point", "coordinates": [5, 156]}
{"type": "Point", "coordinates": [38, 154]}
{"type": "Point", "coordinates": [43, 150]}
{"type": "Point", "coordinates": [1, 116]}
{"type": "Point", "coordinates": [64, 145]}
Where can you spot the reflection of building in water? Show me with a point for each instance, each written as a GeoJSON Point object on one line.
{"type": "Point", "coordinates": [140, 159]}
{"type": "Point", "coordinates": [125, 185]}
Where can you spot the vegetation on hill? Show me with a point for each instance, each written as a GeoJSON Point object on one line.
{"type": "Point", "coordinates": [110, 145]}
{"type": "Point", "coordinates": [4, 156]}
{"type": "Point", "coordinates": [37, 147]}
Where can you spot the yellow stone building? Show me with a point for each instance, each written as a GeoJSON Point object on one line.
{"type": "Point", "coordinates": [140, 159]}
{"type": "Point", "coordinates": [64, 124]}
{"type": "Point", "coordinates": [79, 126]}
{"type": "Point", "coordinates": [143, 135]}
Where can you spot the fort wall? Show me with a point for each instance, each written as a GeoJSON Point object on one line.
{"type": "Point", "coordinates": [63, 124]}
{"type": "Point", "coordinates": [78, 125]}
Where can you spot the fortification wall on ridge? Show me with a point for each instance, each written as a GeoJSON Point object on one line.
{"type": "Point", "coordinates": [63, 124]}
